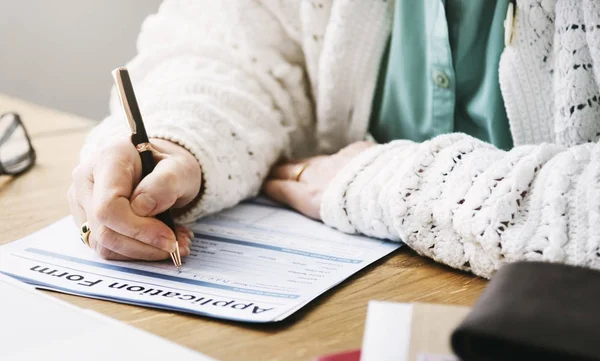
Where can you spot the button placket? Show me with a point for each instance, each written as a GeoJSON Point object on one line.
{"type": "Point", "coordinates": [441, 75]}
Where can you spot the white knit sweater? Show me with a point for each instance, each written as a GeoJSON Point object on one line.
{"type": "Point", "coordinates": [240, 83]}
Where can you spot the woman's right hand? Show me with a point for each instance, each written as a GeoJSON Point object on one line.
{"type": "Point", "coordinates": [119, 211]}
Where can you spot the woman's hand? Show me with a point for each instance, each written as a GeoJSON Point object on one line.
{"type": "Point", "coordinates": [120, 214]}
{"type": "Point", "coordinates": [300, 184]}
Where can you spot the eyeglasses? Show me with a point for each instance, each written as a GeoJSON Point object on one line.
{"type": "Point", "coordinates": [16, 152]}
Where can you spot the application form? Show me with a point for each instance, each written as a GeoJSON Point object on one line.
{"type": "Point", "coordinates": [256, 262]}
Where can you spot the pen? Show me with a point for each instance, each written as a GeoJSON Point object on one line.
{"type": "Point", "coordinates": [140, 140]}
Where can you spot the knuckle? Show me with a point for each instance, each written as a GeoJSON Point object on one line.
{"type": "Point", "coordinates": [102, 210]}
{"type": "Point", "coordinates": [137, 233]}
{"type": "Point", "coordinates": [170, 177]}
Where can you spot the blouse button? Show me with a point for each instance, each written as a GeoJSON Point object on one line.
{"type": "Point", "coordinates": [441, 79]}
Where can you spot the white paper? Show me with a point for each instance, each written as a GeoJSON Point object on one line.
{"type": "Point", "coordinates": [387, 331]}
{"type": "Point", "coordinates": [256, 262]}
{"type": "Point", "coordinates": [410, 332]}
{"type": "Point", "coordinates": [34, 326]}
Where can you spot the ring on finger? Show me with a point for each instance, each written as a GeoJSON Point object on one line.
{"type": "Point", "coordinates": [299, 170]}
{"type": "Point", "coordinates": [84, 233]}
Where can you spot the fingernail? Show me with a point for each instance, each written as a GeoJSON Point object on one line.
{"type": "Point", "coordinates": [184, 245]}
{"type": "Point", "coordinates": [143, 204]}
{"type": "Point", "coordinates": [170, 246]}
{"type": "Point", "coordinates": [191, 234]}
{"type": "Point", "coordinates": [183, 235]}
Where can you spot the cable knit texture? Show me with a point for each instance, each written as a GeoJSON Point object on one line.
{"type": "Point", "coordinates": [242, 83]}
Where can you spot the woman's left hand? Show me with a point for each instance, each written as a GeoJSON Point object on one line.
{"type": "Point", "coordinates": [300, 184]}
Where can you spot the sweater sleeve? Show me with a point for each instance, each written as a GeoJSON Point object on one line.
{"type": "Point", "coordinates": [472, 206]}
{"type": "Point", "coordinates": [224, 80]}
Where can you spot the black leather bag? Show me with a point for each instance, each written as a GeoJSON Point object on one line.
{"type": "Point", "coordinates": [534, 311]}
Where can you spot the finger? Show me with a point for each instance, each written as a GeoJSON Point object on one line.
{"type": "Point", "coordinates": [184, 238]}
{"type": "Point", "coordinates": [356, 147]}
{"type": "Point", "coordinates": [121, 249]}
{"type": "Point", "coordinates": [287, 171]}
{"type": "Point", "coordinates": [113, 182]}
{"type": "Point", "coordinates": [185, 230]}
{"type": "Point", "coordinates": [162, 189]}
{"type": "Point", "coordinates": [80, 217]}
{"type": "Point", "coordinates": [110, 255]}
{"type": "Point", "coordinates": [294, 194]}
{"type": "Point", "coordinates": [106, 238]}
{"type": "Point", "coordinates": [79, 192]}
{"type": "Point", "coordinates": [77, 210]}
{"type": "Point", "coordinates": [107, 253]}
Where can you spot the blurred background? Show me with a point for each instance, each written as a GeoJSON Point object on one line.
{"type": "Point", "coordinates": [60, 53]}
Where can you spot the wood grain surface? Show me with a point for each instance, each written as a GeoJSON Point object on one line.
{"type": "Point", "coordinates": [334, 322]}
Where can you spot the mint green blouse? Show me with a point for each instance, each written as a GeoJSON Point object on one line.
{"type": "Point", "coordinates": [440, 72]}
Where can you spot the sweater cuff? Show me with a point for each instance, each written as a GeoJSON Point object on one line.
{"type": "Point", "coordinates": [207, 201]}
{"type": "Point", "coordinates": [340, 206]}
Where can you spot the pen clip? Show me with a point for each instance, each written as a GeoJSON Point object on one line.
{"type": "Point", "coordinates": [118, 78]}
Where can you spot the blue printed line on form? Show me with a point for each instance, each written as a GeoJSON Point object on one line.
{"type": "Point", "coordinates": [129, 301]}
{"type": "Point", "coordinates": [159, 275]}
{"type": "Point", "coordinates": [125, 279]}
{"type": "Point", "coordinates": [276, 248]}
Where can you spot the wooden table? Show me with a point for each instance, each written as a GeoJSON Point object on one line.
{"type": "Point", "coordinates": [334, 322]}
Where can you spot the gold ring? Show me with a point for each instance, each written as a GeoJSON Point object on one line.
{"type": "Point", "coordinates": [300, 170]}
{"type": "Point", "coordinates": [84, 233]}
